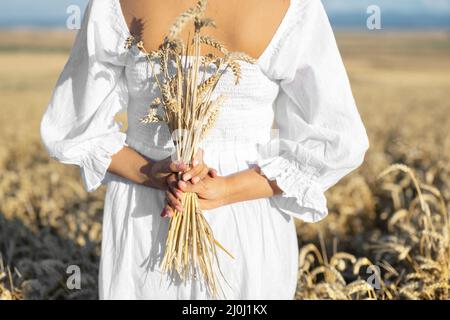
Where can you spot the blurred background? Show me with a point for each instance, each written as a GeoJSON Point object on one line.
{"type": "Point", "coordinates": [351, 14]}
{"type": "Point", "coordinates": [387, 235]}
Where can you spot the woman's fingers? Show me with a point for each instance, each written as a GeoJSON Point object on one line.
{"type": "Point", "coordinates": [197, 166]}
{"type": "Point", "coordinates": [186, 186]}
{"type": "Point", "coordinates": [201, 175]}
{"type": "Point", "coordinates": [170, 165]}
{"type": "Point", "coordinates": [173, 201]}
{"type": "Point", "coordinates": [193, 172]}
{"type": "Point", "coordinates": [172, 183]}
{"type": "Point", "coordinates": [167, 212]}
{"type": "Point", "coordinates": [174, 197]}
{"type": "Point", "coordinates": [212, 172]}
{"type": "Point", "coordinates": [197, 172]}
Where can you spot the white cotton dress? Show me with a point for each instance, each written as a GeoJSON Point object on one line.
{"type": "Point", "coordinates": [299, 87]}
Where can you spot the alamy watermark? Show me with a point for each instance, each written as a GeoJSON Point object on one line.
{"type": "Point", "coordinates": [374, 278]}
{"type": "Point", "coordinates": [73, 281]}
{"type": "Point", "coordinates": [73, 21]}
{"type": "Point", "coordinates": [374, 19]}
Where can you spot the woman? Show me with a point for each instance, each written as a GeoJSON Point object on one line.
{"type": "Point", "coordinates": [262, 178]}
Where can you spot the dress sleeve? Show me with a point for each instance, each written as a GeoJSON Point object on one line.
{"type": "Point", "coordinates": [321, 136]}
{"type": "Point", "coordinates": [78, 126]}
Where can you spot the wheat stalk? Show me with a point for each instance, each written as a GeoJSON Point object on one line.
{"type": "Point", "coordinates": [190, 111]}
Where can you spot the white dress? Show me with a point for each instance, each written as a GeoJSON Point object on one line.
{"type": "Point", "coordinates": [298, 86]}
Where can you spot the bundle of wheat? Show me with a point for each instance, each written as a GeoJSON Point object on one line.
{"type": "Point", "coordinates": [190, 111]}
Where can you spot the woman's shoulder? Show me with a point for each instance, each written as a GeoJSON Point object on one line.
{"type": "Point", "coordinates": [105, 11]}
{"type": "Point", "coordinates": [105, 31]}
{"type": "Point", "coordinates": [303, 23]}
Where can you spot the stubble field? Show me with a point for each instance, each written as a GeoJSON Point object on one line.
{"type": "Point", "coordinates": [385, 238]}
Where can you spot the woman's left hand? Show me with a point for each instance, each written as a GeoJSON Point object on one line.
{"type": "Point", "coordinates": [212, 193]}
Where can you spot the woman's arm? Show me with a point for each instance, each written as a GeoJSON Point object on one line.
{"type": "Point", "coordinates": [218, 191]}
{"type": "Point", "coordinates": [249, 185]}
{"type": "Point", "coordinates": [133, 166]}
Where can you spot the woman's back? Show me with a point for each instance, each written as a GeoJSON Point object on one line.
{"type": "Point", "coordinates": [241, 25]}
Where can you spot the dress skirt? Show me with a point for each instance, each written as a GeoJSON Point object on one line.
{"type": "Point", "coordinates": [261, 238]}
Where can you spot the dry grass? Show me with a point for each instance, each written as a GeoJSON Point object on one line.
{"type": "Point", "coordinates": [400, 81]}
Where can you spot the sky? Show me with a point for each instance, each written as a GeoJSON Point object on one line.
{"type": "Point", "coordinates": [342, 13]}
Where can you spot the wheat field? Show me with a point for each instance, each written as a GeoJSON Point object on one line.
{"type": "Point", "coordinates": [387, 235]}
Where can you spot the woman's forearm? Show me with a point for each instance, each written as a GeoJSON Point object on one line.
{"type": "Point", "coordinates": [133, 166]}
{"type": "Point", "coordinates": [249, 185]}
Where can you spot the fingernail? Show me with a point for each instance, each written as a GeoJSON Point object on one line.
{"type": "Point", "coordinates": [195, 179]}
{"type": "Point", "coordinates": [182, 184]}
{"type": "Point", "coordinates": [179, 208]}
{"type": "Point", "coordinates": [180, 195]}
{"type": "Point", "coordinates": [195, 163]}
{"type": "Point", "coordinates": [186, 177]}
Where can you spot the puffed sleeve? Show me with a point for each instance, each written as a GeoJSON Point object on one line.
{"type": "Point", "coordinates": [78, 126]}
{"type": "Point", "coordinates": [321, 136]}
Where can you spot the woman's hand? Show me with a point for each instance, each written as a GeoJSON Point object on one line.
{"type": "Point", "coordinates": [131, 165]}
{"type": "Point", "coordinates": [212, 192]}
{"type": "Point", "coordinates": [159, 171]}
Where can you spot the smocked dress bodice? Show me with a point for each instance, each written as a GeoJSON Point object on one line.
{"type": "Point", "coordinates": [245, 119]}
